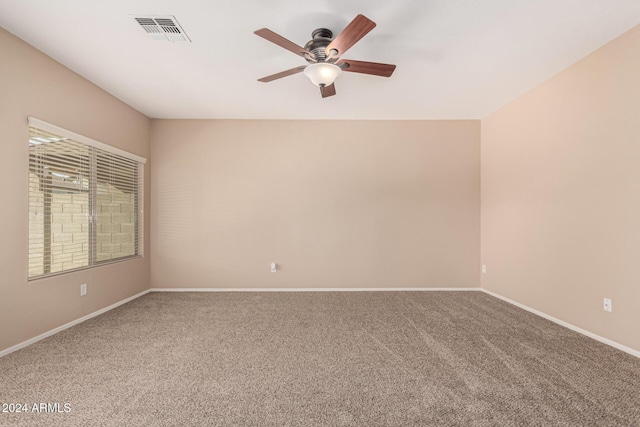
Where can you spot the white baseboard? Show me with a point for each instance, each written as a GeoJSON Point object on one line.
{"type": "Point", "coordinates": [309, 289]}
{"type": "Point", "coordinates": [70, 324]}
{"type": "Point", "coordinates": [603, 340]}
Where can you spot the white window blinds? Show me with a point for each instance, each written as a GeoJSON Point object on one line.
{"type": "Point", "coordinates": [85, 202]}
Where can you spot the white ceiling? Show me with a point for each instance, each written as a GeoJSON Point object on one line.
{"type": "Point", "coordinates": [456, 59]}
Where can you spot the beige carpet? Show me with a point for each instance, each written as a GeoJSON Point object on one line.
{"type": "Point", "coordinates": [330, 359]}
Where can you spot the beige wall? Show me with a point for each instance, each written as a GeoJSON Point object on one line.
{"type": "Point", "coordinates": [334, 203]}
{"type": "Point", "coordinates": [32, 84]}
{"type": "Point", "coordinates": [561, 194]}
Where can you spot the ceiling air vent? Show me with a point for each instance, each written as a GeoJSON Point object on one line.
{"type": "Point", "coordinates": [162, 28]}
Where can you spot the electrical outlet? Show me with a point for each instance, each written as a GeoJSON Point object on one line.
{"type": "Point", "coordinates": [83, 289]}
{"type": "Point", "coordinates": [484, 269]}
{"type": "Point", "coordinates": [274, 267]}
{"type": "Point", "coordinates": [607, 305]}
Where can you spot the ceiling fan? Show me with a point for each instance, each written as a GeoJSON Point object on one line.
{"type": "Point", "coordinates": [323, 53]}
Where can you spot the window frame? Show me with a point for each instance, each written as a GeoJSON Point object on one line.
{"type": "Point", "coordinates": [92, 191]}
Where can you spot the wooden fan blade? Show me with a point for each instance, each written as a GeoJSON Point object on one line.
{"type": "Point", "coordinates": [328, 90]}
{"type": "Point", "coordinates": [267, 34]}
{"type": "Point", "coordinates": [357, 29]}
{"type": "Point", "coordinates": [364, 67]}
{"type": "Point", "coordinates": [282, 74]}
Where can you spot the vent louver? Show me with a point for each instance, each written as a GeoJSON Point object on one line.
{"type": "Point", "coordinates": [162, 28]}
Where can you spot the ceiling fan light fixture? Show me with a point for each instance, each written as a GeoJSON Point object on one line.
{"type": "Point", "coordinates": [324, 54]}
{"type": "Point", "coordinates": [322, 73]}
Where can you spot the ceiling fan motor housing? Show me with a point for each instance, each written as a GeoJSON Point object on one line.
{"type": "Point", "coordinates": [321, 39]}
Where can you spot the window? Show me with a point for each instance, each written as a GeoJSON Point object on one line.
{"type": "Point", "coordinates": [85, 201]}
